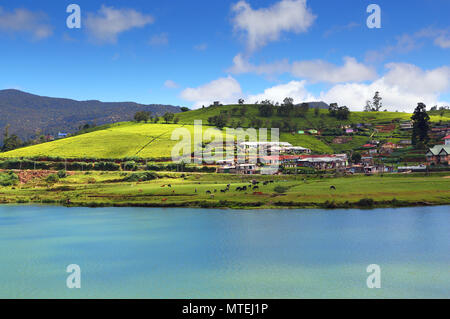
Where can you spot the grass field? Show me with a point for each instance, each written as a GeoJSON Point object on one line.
{"type": "Point", "coordinates": [189, 190]}
{"type": "Point", "coordinates": [131, 139]}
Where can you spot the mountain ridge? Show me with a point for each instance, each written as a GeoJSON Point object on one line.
{"type": "Point", "coordinates": [30, 115]}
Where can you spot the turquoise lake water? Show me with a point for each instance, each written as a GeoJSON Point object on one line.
{"type": "Point", "coordinates": [195, 253]}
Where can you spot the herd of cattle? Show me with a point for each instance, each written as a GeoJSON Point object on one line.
{"type": "Point", "coordinates": [253, 186]}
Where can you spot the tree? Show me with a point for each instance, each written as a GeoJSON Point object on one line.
{"type": "Point", "coordinates": [377, 105]}
{"type": "Point", "coordinates": [184, 109]}
{"type": "Point", "coordinates": [421, 126]}
{"type": "Point", "coordinates": [343, 113]}
{"type": "Point", "coordinates": [176, 120]}
{"type": "Point", "coordinates": [265, 110]}
{"type": "Point", "coordinates": [356, 157]}
{"type": "Point", "coordinates": [287, 107]}
{"type": "Point", "coordinates": [11, 143]}
{"type": "Point", "coordinates": [368, 107]}
{"type": "Point", "coordinates": [142, 116]}
{"type": "Point", "coordinates": [168, 116]}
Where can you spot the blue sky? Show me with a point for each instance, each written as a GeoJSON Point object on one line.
{"type": "Point", "coordinates": [191, 53]}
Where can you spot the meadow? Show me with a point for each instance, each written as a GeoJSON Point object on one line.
{"type": "Point", "coordinates": [191, 190]}
{"type": "Point", "coordinates": [153, 141]}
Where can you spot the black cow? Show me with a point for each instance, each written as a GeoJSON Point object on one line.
{"type": "Point", "coordinates": [333, 188]}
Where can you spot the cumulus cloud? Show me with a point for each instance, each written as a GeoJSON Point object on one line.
{"type": "Point", "coordinates": [322, 71]}
{"type": "Point", "coordinates": [108, 23]}
{"type": "Point", "coordinates": [225, 90]}
{"type": "Point", "coordinates": [314, 71]}
{"type": "Point", "coordinates": [402, 87]}
{"type": "Point", "coordinates": [25, 21]}
{"type": "Point", "coordinates": [293, 89]}
{"type": "Point", "coordinates": [171, 84]}
{"type": "Point", "coordinates": [265, 25]}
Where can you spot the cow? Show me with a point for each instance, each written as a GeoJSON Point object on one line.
{"type": "Point", "coordinates": [332, 187]}
{"type": "Point", "coordinates": [256, 187]}
{"type": "Point", "coordinates": [208, 192]}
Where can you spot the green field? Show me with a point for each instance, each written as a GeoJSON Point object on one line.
{"type": "Point", "coordinates": [189, 190]}
{"type": "Point", "coordinates": [131, 139]}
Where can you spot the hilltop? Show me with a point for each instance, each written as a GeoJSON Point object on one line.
{"type": "Point", "coordinates": [28, 113]}
{"type": "Point", "coordinates": [128, 139]}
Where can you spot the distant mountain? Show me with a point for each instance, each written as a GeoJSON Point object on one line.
{"type": "Point", "coordinates": [28, 114]}
{"type": "Point", "coordinates": [318, 105]}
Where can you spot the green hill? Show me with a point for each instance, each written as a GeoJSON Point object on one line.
{"type": "Point", "coordinates": [128, 139]}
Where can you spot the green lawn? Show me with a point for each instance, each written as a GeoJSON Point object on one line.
{"type": "Point", "coordinates": [106, 189]}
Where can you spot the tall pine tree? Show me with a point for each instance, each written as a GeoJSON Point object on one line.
{"type": "Point", "coordinates": [421, 126]}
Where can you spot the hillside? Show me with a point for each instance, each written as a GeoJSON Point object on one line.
{"type": "Point", "coordinates": [28, 113]}
{"type": "Point", "coordinates": [129, 139]}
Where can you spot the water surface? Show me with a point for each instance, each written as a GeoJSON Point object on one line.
{"type": "Point", "coordinates": [195, 253]}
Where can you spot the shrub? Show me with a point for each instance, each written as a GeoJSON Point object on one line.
{"type": "Point", "coordinates": [141, 177]}
{"type": "Point", "coordinates": [281, 189]}
{"type": "Point", "coordinates": [366, 202]}
{"type": "Point", "coordinates": [130, 166]}
{"type": "Point", "coordinates": [62, 174]}
{"type": "Point", "coordinates": [8, 179]}
{"type": "Point", "coordinates": [52, 178]}
{"type": "Point", "coordinates": [106, 166]}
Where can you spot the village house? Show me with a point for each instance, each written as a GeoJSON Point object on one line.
{"type": "Point", "coordinates": [439, 154]}
{"type": "Point", "coordinates": [405, 126]}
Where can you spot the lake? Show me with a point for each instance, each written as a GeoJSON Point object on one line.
{"type": "Point", "coordinates": [197, 253]}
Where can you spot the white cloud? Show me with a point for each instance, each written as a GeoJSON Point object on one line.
{"type": "Point", "coordinates": [402, 87]}
{"type": "Point", "coordinates": [159, 39]}
{"type": "Point", "coordinates": [265, 25]}
{"type": "Point", "coordinates": [322, 71]}
{"type": "Point", "coordinates": [314, 71]}
{"type": "Point", "coordinates": [443, 41]}
{"type": "Point", "coordinates": [226, 90]}
{"type": "Point", "coordinates": [25, 21]}
{"type": "Point", "coordinates": [171, 84]}
{"type": "Point", "coordinates": [293, 89]}
{"type": "Point", "coordinates": [108, 23]}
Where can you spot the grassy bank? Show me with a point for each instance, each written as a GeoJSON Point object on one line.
{"type": "Point", "coordinates": [97, 189]}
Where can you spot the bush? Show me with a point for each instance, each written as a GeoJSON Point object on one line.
{"type": "Point", "coordinates": [52, 178]}
{"type": "Point", "coordinates": [130, 166]}
{"type": "Point", "coordinates": [62, 174]}
{"type": "Point", "coordinates": [106, 166]}
{"type": "Point", "coordinates": [8, 179]}
{"type": "Point", "coordinates": [366, 202]}
{"type": "Point", "coordinates": [141, 177]}
{"type": "Point", "coordinates": [281, 189]}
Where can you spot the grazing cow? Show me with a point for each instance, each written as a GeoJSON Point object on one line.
{"type": "Point", "coordinates": [222, 190]}
{"type": "Point", "coordinates": [208, 192]}
{"type": "Point", "coordinates": [169, 185]}
{"type": "Point", "coordinates": [215, 191]}
{"type": "Point", "coordinates": [333, 188]}
{"type": "Point", "coordinates": [228, 186]}
{"type": "Point", "coordinates": [244, 188]}
{"type": "Point", "coordinates": [238, 188]}
{"type": "Point", "coordinates": [256, 187]}
{"type": "Point", "coordinates": [265, 183]}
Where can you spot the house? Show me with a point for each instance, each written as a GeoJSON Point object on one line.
{"type": "Point", "coordinates": [349, 131]}
{"type": "Point", "coordinates": [419, 168]}
{"type": "Point", "coordinates": [342, 139]}
{"type": "Point", "coordinates": [313, 132]}
{"type": "Point", "coordinates": [388, 148]}
{"type": "Point", "coordinates": [62, 135]}
{"type": "Point", "coordinates": [301, 132]}
{"type": "Point", "coordinates": [439, 154]}
{"type": "Point", "coordinates": [246, 169]}
{"type": "Point", "coordinates": [295, 150]}
{"type": "Point", "coordinates": [322, 162]}
{"type": "Point", "coordinates": [408, 125]}
{"type": "Point", "coordinates": [405, 142]}
{"type": "Point", "coordinates": [447, 140]}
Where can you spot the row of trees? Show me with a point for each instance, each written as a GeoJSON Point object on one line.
{"type": "Point", "coordinates": [145, 116]}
